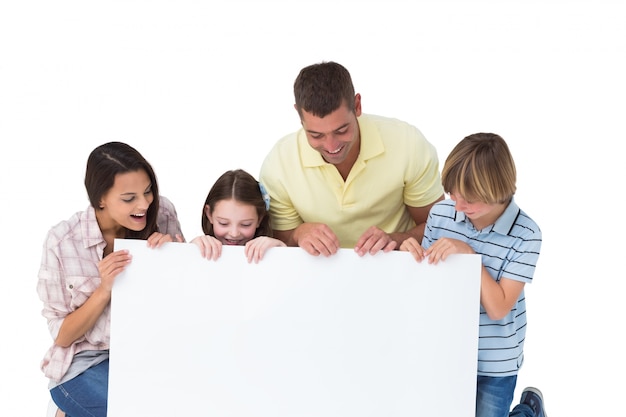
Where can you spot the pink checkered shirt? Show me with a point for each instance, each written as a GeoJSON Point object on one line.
{"type": "Point", "coordinates": [68, 275]}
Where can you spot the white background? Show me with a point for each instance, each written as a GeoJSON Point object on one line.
{"type": "Point", "coordinates": [201, 87]}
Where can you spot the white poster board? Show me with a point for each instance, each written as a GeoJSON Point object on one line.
{"type": "Point", "coordinates": [292, 336]}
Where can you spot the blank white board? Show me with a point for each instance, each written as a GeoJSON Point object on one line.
{"type": "Point", "coordinates": [292, 336]}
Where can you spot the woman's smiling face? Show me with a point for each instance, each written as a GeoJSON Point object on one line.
{"type": "Point", "coordinates": [126, 203]}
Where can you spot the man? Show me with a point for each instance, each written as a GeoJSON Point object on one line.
{"type": "Point", "coordinates": [347, 179]}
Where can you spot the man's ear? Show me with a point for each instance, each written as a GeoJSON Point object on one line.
{"type": "Point", "coordinates": [357, 104]}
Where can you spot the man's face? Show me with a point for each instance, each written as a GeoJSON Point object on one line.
{"type": "Point", "coordinates": [335, 136]}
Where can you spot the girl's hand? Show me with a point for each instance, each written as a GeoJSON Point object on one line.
{"type": "Point", "coordinates": [256, 248]}
{"type": "Point", "coordinates": [414, 248]}
{"type": "Point", "coordinates": [111, 266]}
{"type": "Point", "coordinates": [210, 247]}
{"type": "Point", "coordinates": [445, 246]}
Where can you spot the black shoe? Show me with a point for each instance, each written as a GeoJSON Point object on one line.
{"type": "Point", "coordinates": [534, 399]}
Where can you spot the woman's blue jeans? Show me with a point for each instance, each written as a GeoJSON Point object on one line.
{"type": "Point", "coordinates": [494, 397]}
{"type": "Point", "coordinates": [86, 394]}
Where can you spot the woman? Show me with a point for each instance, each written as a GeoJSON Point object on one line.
{"type": "Point", "coordinates": [79, 266]}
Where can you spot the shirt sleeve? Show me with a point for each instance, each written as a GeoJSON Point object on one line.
{"type": "Point", "coordinates": [51, 292]}
{"type": "Point", "coordinates": [168, 222]}
{"type": "Point", "coordinates": [282, 210]}
{"type": "Point", "coordinates": [423, 179]}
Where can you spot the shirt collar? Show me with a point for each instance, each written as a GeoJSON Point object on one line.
{"type": "Point", "coordinates": [503, 224]}
{"type": "Point", "coordinates": [92, 235]}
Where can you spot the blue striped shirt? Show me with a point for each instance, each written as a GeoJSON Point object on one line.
{"type": "Point", "coordinates": [509, 248]}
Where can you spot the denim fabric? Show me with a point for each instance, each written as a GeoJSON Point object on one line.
{"type": "Point", "coordinates": [494, 395]}
{"type": "Point", "coordinates": [86, 394]}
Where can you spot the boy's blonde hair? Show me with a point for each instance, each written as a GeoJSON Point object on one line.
{"type": "Point", "coordinates": [480, 168]}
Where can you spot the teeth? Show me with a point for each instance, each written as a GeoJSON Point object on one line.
{"type": "Point", "coordinates": [336, 151]}
{"type": "Point", "coordinates": [139, 215]}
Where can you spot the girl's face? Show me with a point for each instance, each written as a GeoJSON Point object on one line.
{"type": "Point", "coordinates": [126, 203]}
{"type": "Point", "coordinates": [234, 223]}
{"type": "Point", "coordinates": [480, 214]}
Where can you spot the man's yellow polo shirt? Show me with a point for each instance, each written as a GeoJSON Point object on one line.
{"type": "Point", "coordinates": [396, 167]}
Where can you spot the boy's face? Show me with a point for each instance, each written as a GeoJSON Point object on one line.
{"type": "Point", "coordinates": [480, 214]}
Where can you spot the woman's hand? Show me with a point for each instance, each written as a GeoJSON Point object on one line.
{"type": "Point", "coordinates": [111, 266]}
{"type": "Point", "coordinates": [157, 239]}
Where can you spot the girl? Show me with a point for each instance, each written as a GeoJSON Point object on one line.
{"type": "Point", "coordinates": [236, 213]}
{"type": "Point", "coordinates": [79, 266]}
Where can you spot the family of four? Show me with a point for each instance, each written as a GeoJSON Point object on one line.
{"type": "Point", "coordinates": [346, 179]}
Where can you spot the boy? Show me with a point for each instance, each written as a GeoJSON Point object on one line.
{"type": "Point", "coordinates": [482, 217]}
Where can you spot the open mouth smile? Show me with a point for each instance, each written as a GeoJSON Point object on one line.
{"type": "Point", "coordinates": [335, 151]}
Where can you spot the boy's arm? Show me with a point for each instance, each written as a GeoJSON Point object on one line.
{"type": "Point", "coordinates": [498, 297]}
